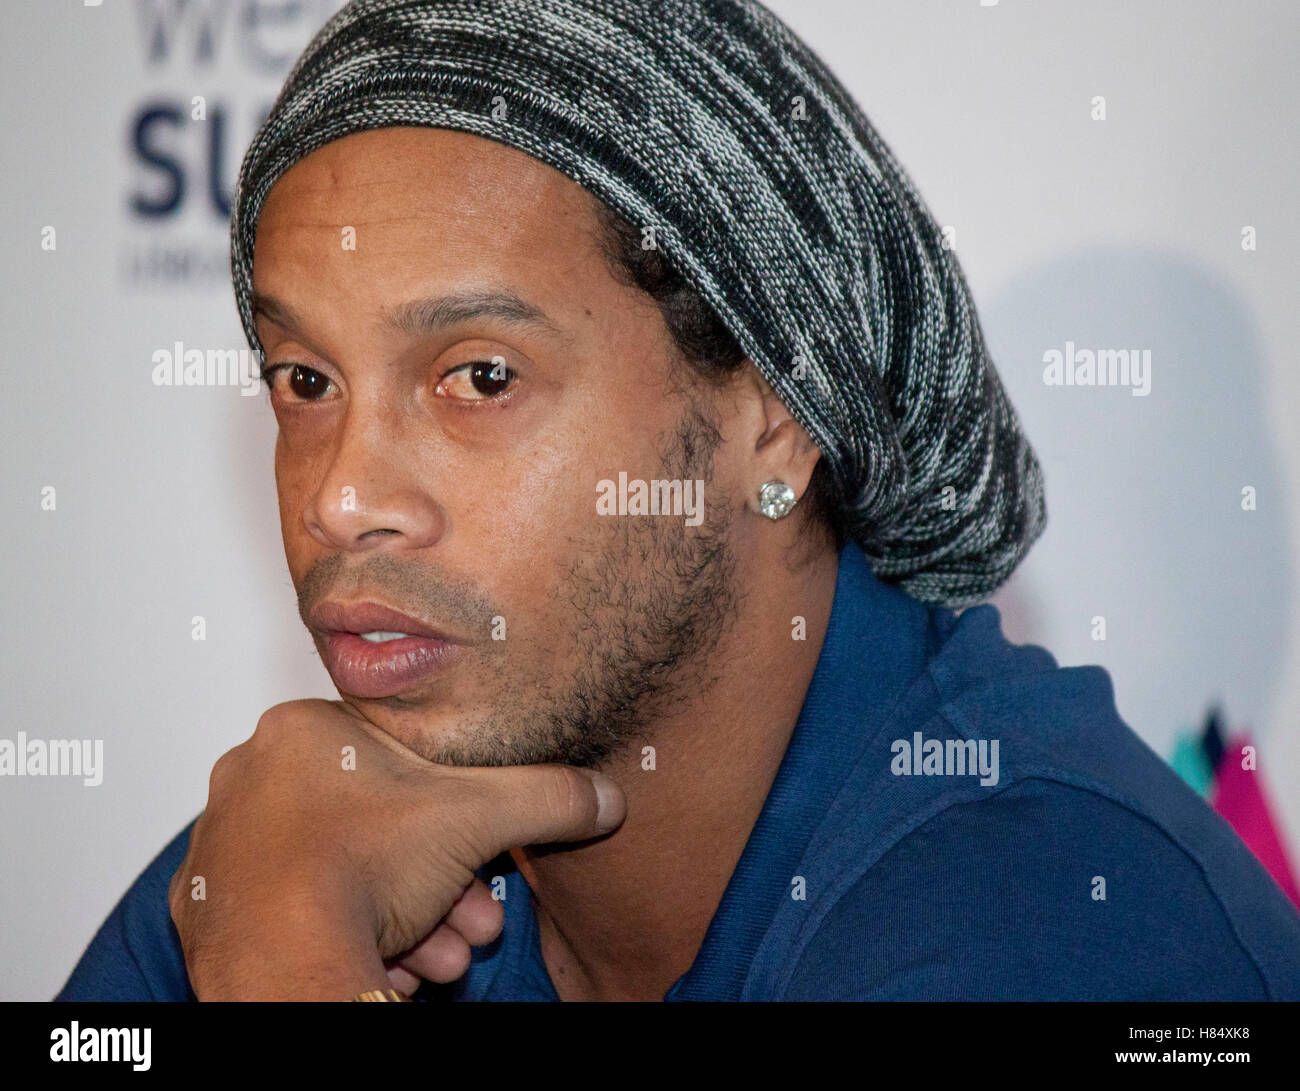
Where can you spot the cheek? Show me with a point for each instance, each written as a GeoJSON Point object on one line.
{"type": "Point", "coordinates": [296, 471]}
{"type": "Point", "coordinates": [525, 524]}
{"type": "Point", "coordinates": [288, 476]}
{"type": "Point", "coordinates": [540, 500]}
{"type": "Point", "coordinates": [522, 519]}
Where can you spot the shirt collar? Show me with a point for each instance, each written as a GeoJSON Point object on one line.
{"type": "Point", "coordinates": [876, 643]}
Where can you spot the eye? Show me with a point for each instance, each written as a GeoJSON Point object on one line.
{"type": "Point", "coordinates": [481, 380]}
{"type": "Point", "coordinates": [307, 384]}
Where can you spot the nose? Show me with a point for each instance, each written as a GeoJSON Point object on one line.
{"type": "Point", "coordinates": [368, 497]}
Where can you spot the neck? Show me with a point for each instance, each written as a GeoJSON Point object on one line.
{"type": "Point", "coordinates": [622, 918]}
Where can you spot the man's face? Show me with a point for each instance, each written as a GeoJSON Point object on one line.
{"type": "Point", "coordinates": [454, 369]}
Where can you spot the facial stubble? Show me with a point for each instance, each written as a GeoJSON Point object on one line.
{"type": "Point", "coordinates": [649, 602]}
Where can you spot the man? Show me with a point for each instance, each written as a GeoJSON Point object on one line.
{"type": "Point", "coordinates": [637, 442]}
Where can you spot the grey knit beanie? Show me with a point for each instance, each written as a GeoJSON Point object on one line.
{"type": "Point", "coordinates": [768, 189]}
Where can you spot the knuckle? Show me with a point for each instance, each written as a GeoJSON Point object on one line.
{"type": "Point", "coordinates": [276, 719]}
{"type": "Point", "coordinates": [227, 768]}
{"type": "Point", "coordinates": [177, 902]}
{"type": "Point", "coordinates": [221, 774]}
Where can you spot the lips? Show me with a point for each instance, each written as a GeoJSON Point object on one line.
{"type": "Point", "coordinates": [381, 667]}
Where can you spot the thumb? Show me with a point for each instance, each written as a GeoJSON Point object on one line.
{"type": "Point", "coordinates": [539, 804]}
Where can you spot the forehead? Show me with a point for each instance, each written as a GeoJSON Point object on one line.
{"type": "Point", "coordinates": [426, 196]}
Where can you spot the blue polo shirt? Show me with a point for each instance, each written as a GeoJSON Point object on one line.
{"type": "Point", "coordinates": [956, 818]}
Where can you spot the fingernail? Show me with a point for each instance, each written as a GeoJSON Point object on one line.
{"type": "Point", "coordinates": [609, 800]}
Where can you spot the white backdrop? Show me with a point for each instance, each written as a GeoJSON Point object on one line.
{"type": "Point", "coordinates": [1116, 233]}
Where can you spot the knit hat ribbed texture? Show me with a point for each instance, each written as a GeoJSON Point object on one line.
{"type": "Point", "coordinates": [768, 189]}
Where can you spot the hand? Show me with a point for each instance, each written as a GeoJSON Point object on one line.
{"type": "Point", "coordinates": [321, 881]}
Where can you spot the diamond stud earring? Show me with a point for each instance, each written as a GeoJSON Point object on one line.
{"type": "Point", "coordinates": [775, 499]}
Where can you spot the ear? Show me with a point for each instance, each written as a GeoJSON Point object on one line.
{"type": "Point", "coordinates": [776, 445]}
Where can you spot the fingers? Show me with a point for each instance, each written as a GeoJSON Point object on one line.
{"type": "Point", "coordinates": [540, 804]}
{"type": "Point", "coordinates": [476, 919]}
{"type": "Point", "coordinates": [403, 980]}
{"type": "Point", "coordinates": [442, 956]}
{"type": "Point", "coordinates": [477, 916]}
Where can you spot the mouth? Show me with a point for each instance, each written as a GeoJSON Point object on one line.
{"type": "Point", "coordinates": [374, 651]}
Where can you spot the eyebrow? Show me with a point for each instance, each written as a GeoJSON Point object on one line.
{"type": "Point", "coordinates": [420, 317]}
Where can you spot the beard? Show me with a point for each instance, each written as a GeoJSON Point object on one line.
{"type": "Point", "coordinates": [642, 609]}
{"type": "Point", "coordinates": [648, 604]}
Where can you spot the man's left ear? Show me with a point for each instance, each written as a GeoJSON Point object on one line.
{"type": "Point", "coordinates": [782, 452]}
